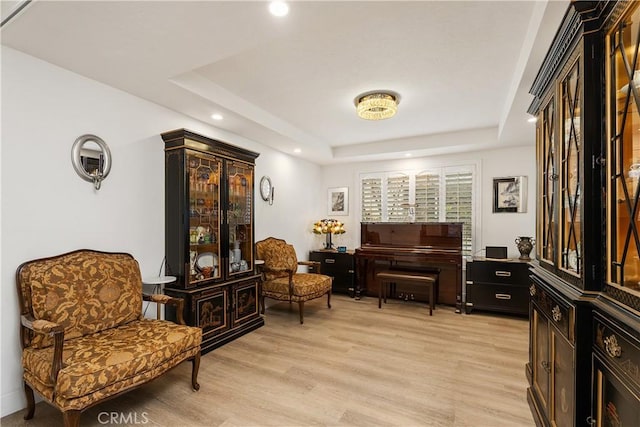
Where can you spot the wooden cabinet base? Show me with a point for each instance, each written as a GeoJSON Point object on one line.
{"type": "Point", "coordinates": [223, 311]}
{"type": "Point", "coordinates": [535, 409]}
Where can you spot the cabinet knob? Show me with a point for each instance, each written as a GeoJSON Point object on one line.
{"type": "Point", "coordinates": [503, 296]}
{"type": "Point", "coordinates": [501, 273]}
{"type": "Point", "coordinates": [546, 366]}
{"type": "Point", "coordinates": [612, 346]}
{"type": "Point", "coordinates": [330, 261]}
{"type": "Point", "coordinates": [591, 420]}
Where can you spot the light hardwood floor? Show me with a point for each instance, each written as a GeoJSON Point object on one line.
{"type": "Point", "coordinates": [353, 365]}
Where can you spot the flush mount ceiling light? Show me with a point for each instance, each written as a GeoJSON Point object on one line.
{"type": "Point", "coordinates": [377, 105]}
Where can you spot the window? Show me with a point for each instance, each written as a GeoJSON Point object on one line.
{"type": "Point", "coordinates": [459, 205]}
{"type": "Point", "coordinates": [427, 198]}
{"type": "Point", "coordinates": [397, 197]}
{"type": "Point", "coordinates": [436, 195]}
{"type": "Point", "coordinates": [371, 196]}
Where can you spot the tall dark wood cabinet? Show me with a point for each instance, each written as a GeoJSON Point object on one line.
{"type": "Point", "coordinates": [586, 269]}
{"type": "Point", "coordinates": [209, 235]}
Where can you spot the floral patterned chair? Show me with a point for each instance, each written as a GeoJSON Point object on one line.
{"type": "Point", "coordinates": [282, 282]}
{"type": "Point", "coordinates": [84, 338]}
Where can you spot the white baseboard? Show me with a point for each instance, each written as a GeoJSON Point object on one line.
{"type": "Point", "coordinates": [13, 402]}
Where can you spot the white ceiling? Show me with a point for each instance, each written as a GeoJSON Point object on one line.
{"type": "Point", "coordinates": [460, 67]}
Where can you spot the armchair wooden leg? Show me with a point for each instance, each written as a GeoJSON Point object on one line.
{"type": "Point", "coordinates": [71, 418]}
{"type": "Point", "coordinates": [31, 403]}
{"type": "Point", "coordinates": [329, 299]}
{"type": "Point", "coordinates": [301, 305]}
{"type": "Point", "coordinates": [194, 372]}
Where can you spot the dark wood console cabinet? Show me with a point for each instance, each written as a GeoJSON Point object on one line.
{"type": "Point", "coordinates": [340, 266]}
{"type": "Point", "coordinates": [496, 285]}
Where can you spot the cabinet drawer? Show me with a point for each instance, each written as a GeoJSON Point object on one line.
{"type": "Point", "coordinates": [559, 311]}
{"type": "Point", "coordinates": [495, 297]}
{"type": "Point", "coordinates": [617, 347]}
{"type": "Point", "coordinates": [333, 262]}
{"type": "Point", "coordinates": [514, 273]}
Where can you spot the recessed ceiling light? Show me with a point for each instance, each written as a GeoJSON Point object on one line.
{"type": "Point", "coordinates": [532, 119]}
{"type": "Point", "coordinates": [216, 116]}
{"type": "Point", "coordinates": [297, 150]}
{"type": "Point", "coordinates": [278, 8]}
{"type": "Point", "coordinates": [408, 154]}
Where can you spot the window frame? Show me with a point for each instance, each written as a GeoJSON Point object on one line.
{"type": "Point", "coordinates": [442, 171]}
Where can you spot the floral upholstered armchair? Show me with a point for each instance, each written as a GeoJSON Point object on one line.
{"type": "Point", "coordinates": [83, 336]}
{"type": "Point", "coordinates": [281, 279]}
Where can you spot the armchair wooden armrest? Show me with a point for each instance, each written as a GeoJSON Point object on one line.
{"type": "Point", "coordinates": [167, 300]}
{"type": "Point", "coordinates": [316, 264]}
{"type": "Point", "coordinates": [52, 329]}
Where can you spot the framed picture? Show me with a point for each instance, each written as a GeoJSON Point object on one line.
{"type": "Point", "coordinates": [510, 194]}
{"type": "Point", "coordinates": [338, 201]}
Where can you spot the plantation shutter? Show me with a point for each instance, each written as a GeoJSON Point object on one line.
{"type": "Point", "coordinates": [371, 199]}
{"type": "Point", "coordinates": [440, 194]}
{"type": "Point", "coordinates": [427, 197]}
{"type": "Point", "coordinates": [459, 204]}
{"type": "Point", "coordinates": [398, 198]}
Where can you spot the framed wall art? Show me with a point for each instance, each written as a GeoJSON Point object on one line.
{"type": "Point", "coordinates": [338, 201]}
{"type": "Point", "coordinates": [510, 194]}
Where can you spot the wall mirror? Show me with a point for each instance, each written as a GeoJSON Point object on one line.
{"type": "Point", "coordinates": [91, 159]}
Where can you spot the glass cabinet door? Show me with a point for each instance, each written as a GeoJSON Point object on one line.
{"type": "Point", "coordinates": [239, 217]}
{"type": "Point", "coordinates": [615, 404]}
{"type": "Point", "coordinates": [204, 219]}
{"type": "Point", "coordinates": [623, 163]}
{"type": "Point", "coordinates": [570, 182]}
{"type": "Point", "coordinates": [548, 179]}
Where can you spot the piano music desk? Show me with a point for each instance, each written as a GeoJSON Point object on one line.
{"type": "Point", "coordinates": [422, 279]}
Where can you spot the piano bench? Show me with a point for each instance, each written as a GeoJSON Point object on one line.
{"type": "Point", "coordinates": [416, 278]}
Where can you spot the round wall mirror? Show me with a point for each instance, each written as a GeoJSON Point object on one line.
{"type": "Point", "coordinates": [91, 159]}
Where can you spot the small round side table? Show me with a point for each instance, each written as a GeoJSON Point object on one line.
{"type": "Point", "coordinates": [157, 282]}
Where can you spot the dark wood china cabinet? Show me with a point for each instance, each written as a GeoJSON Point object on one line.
{"type": "Point", "coordinates": [209, 235]}
{"type": "Point", "coordinates": [584, 279]}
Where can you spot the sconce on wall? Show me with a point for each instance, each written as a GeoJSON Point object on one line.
{"type": "Point", "coordinates": [91, 159]}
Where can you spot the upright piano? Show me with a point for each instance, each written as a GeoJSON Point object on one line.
{"type": "Point", "coordinates": [429, 246]}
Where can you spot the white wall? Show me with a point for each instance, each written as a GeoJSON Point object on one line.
{"type": "Point", "coordinates": [296, 204]}
{"type": "Point", "coordinates": [495, 229]}
{"type": "Point", "coordinates": [501, 229]}
{"type": "Point", "coordinates": [47, 209]}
